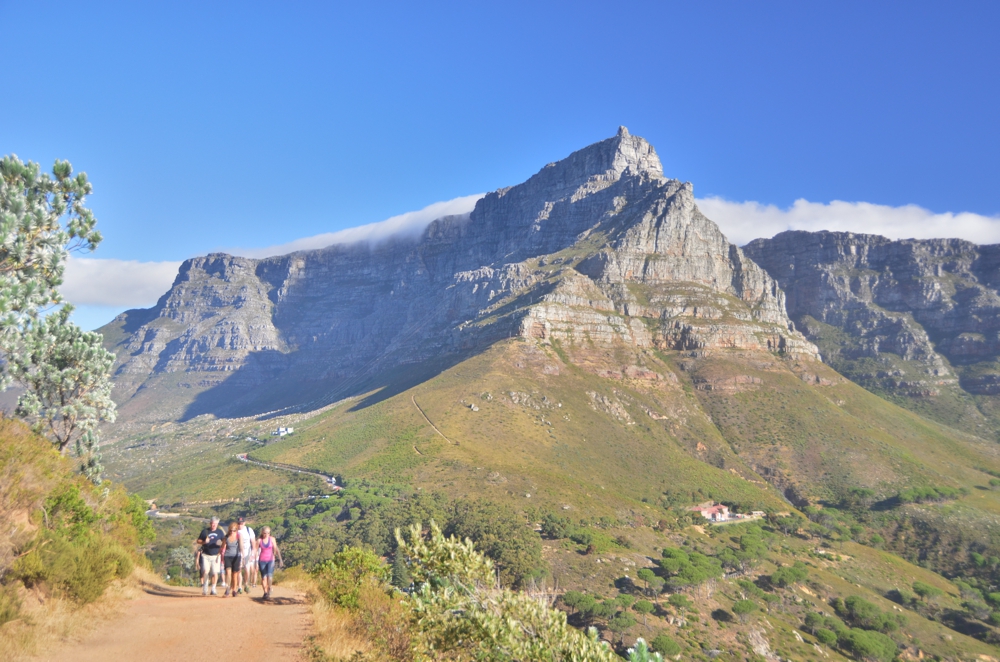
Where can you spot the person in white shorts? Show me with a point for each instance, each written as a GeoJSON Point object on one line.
{"type": "Point", "coordinates": [247, 539]}
{"type": "Point", "coordinates": [211, 539]}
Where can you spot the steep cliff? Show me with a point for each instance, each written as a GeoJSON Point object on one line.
{"type": "Point", "coordinates": [599, 247]}
{"type": "Point", "coordinates": [918, 319]}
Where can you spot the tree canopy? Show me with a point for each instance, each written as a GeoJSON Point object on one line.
{"type": "Point", "coordinates": [65, 371]}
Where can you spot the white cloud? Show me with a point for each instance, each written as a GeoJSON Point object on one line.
{"type": "Point", "coordinates": [410, 224]}
{"type": "Point", "coordinates": [744, 221]}
{"type": "Point", "coordinates": [120, 284]}
{"type": "Point", "coordinates": [117, 283]}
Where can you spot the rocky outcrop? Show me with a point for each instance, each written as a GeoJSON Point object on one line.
{"type": "Point", "coordinates": [599, 247]}
{"type": "Point", "coordinates": [922, 309]}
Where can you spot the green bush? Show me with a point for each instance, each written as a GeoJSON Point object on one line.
{"type": "Point", "coordinates": [926, 494]}
{"type": "Point", "coordinates": [867, 645]}
{"type": "Point", "coordinates": [596, 541]}
{"type": "Point", "coordinates": [341, 577]}
{"type": "Point", "coordinates": [789, 575]}
{"type": "Point", "coordinates": [680, 601]}
{"type": "Point", "coordinates": [87, 571]}
{"type": "Point", "coordinates": [502, 535]}
{"type": "Point", "coordinates": [665, 645]}
{"type": "Point", "coordinates": [813, 621]}
{"type": "Point", "coordinates": [926, 591]}
{"type": "Point", "coordinates": [824, 636]}
{"type": "Point", "coordinates": [744, 608]}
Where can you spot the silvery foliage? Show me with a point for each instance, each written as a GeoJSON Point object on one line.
{"type": "Point", "coordinates": [181, 556]}
{"type": "Point", "coordinates": [64, 370]}
{"type": "Point", "coordinates": [458, 606]}
{"type": "Point", "coordinates": [641, 653]}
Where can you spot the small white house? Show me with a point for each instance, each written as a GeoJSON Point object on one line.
{"type": "Point", "coordinates": [713, 512]}
{"type": "Point", "coordinates": [282, 431]}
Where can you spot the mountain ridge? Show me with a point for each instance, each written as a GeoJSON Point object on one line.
{"type": "Point", "coordinates": [599, 244]}
{"type": "Point", "coordinates": [914, 319]}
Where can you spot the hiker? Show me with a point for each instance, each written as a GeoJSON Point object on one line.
{"type": "Point", "coordinates": [211, 540]}
{"type": "Point", "coordinates": [249, 569]}
{"type": "Point", "coordinates": [231, 559]}
{"type": "Point", "coordinates": [267, 551]}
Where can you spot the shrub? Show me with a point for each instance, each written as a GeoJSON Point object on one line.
{"type": "Point", "coordinates": [556, 527]}
{"type": "Point", "coordinates": [596, 542]}
{"type": "Point", "coordinates": [789, 575]}
{"type": "Point", "coordinates": [665, 645]}
{"type": "Point", "coordinates": [686, 569]}
{"type": "Point", "coordinates": [680, 601]}
{"type": "Point", "coordinates": [572, 599]}
{"type": "Point", "coordinates": [621, 623]}
{"type": "Point", "coordinates": [459, 609]}
{"type": "Point", "coordinates": [644, 607]}
{"type": "Point", "coordinates": [502, 536]}
{"type": "Point", "coordinates": [744, 608]}
{"type": "Point", "coordinates": [926, 591]}
{"type": "Point", "coordinates": [341, 578]}
{"type": "Point", "coordinates": [926, 494]}
{"type": "Point", "coordinates": [863, 614]}
{"type": "Point", "coordinates": [383, 621]}
{"type": "Point", "coordinates": [867, 645]}
{"type": "Point", "coordinates": [827, 637]}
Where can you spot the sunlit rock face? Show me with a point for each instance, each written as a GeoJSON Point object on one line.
{"type": "Point", "coordinates": [914, 316]}
{"type": "Point", "coordinates": [598, 247]}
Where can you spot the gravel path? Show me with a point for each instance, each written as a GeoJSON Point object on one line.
{"type": "Point", "coordinates": [168, 623]}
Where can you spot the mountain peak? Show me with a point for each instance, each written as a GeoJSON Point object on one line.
{"type": "Point", "coordinates": [606, 160]}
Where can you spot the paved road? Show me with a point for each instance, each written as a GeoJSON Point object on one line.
{"type": "Point", "coordinates": [281, 466]}
{"type": "Point", "coordinates": [168, 623]}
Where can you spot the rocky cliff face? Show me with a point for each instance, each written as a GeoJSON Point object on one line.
{"type": "Point", "coordinates": [599, 247]}
{"type": "Point", "coordinates": [912, 317]}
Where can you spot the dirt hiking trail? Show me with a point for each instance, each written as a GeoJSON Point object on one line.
{"type": "Point", "coordinates": [169, 623]}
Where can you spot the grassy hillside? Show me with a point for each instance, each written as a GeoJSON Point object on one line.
{"type": "Point", "coordinates": [67, 547]}
{"type": "Point", "coordinates": [600, 430]}
{"type": "Point", "coordinates": [616, 444]}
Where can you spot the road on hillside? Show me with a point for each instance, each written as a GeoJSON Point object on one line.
{"type": "Point", "coordinates": [281, 466]}
{"type": "Point", "coordinates": [168, 623]}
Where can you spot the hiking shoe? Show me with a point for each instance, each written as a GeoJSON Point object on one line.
{"type": "Point", "coordinates": [226, 594]}
{"type": "Point", "coordinates": [213, 591]}
{"type": "Point", "coordinates": [204, 589]}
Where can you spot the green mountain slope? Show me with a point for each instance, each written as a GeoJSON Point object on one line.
{"type": "Point", "coordinates": [561, 422]}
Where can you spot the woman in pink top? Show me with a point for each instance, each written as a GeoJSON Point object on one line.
{"type": "Point", "coordinates": [267, 551]}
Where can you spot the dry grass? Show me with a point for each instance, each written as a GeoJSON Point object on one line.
{"type": "Point", "coordinates": [334, 632]}
{"type": "Point", "coordinates": [334, 635]}
{"type": "Point", "coordinates": [49, 622]}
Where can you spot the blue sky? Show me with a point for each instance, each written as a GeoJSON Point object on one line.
{"type": "Point", "coordinates": [208, 126]}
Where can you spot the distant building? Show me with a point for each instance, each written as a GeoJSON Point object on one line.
{"type": "Point", "coordinates": [713, 512]}
{"type": "Point", "coordinates": [281, 432]}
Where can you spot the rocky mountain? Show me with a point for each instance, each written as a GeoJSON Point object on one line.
{"type": "Point", "coordinates": [599, 247]}
{"type": "Point", "coordinates": [914, 319]}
